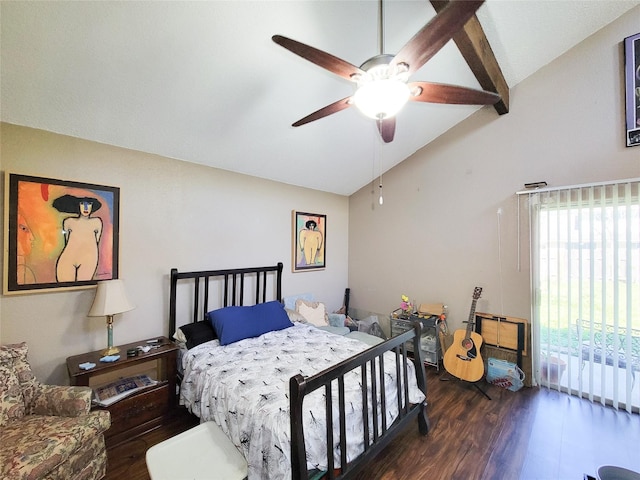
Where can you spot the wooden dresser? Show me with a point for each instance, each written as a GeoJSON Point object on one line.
{"type": "Point", "coordinates": [144, 410]}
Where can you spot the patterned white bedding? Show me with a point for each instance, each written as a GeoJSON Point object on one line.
{"type": "Point", "coordinates": [244, 388]}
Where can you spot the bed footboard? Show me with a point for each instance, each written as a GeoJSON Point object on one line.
{"type": "Point", "coordinates": [369, 363]}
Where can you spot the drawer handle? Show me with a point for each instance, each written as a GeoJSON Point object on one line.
{"type": "Point", "coordinates": [137, 411]}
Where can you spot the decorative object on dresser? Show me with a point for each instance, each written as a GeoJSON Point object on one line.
{"type": "Point", "coordinates": [47, 431]}
{"type": "Point", "coordinates": [463, 359]}
{"type": "Point", "coordinates": [110, 300]}
{"type": "Point", "coordinates": [40, 253]}
{"type": "Point", "coordinates": [144, 410]}
{"type": "Point", "coordinates": [276, 372]}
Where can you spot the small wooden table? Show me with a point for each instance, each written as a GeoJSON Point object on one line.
{"type": "Point", "coordinates": [141, 411]}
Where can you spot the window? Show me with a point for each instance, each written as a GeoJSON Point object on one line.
{"type": "Point", "coordinates": [585, 244]}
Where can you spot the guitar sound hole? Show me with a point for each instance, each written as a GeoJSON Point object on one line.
{"type": "Point", "coordinates": [467, 343]}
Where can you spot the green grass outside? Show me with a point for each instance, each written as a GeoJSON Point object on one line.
{"type": "Point", "coordinates": [558, 320]}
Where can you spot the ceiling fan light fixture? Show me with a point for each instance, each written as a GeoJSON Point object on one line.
{"type": "Point", "coordinates": [382, 81]}
{"type": "Point", "coordinates": [382, 90]}
{"type": "Point", "coordinates": [381, 99]}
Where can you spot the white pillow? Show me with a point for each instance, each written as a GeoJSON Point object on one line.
{"type": "Point", "coordinates": [314, 312]}
{"type": "Point", "coordinates": [179, 336]}
{"type": "Point", "coordinates": [290, 301]}
{"type": "Point", "coordinates": [295, 316]}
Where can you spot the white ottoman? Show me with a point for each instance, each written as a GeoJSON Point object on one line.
{"type": "Point", "coordinates": [201, 453]}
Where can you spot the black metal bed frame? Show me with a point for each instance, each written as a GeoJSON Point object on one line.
{"type": "Point", "coordinates": [369, 363]}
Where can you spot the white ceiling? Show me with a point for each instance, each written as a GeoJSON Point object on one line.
{"type": "Point", "coordinates": [203, 82]}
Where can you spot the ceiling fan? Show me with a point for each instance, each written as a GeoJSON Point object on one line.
{"type": "Point", "coordinates": [382, 81]}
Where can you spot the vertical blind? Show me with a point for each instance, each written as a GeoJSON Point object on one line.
{"type": "Point", "coordinates": [585, 267]}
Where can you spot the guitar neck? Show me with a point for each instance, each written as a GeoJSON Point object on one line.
{"type": "Point", "coordinates": [470, 322]}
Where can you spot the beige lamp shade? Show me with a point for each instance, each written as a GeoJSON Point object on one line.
{"type": "Point", "coordinates": [110, 299]}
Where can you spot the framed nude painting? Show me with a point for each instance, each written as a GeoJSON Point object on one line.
{"type": "Point", "coordinates": [632, 82]}
{"type": "Point", "coordinates": [59, 234]}
{"type": "Point", "coordinates": [309, 240]}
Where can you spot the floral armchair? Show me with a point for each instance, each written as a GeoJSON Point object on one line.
{"type": "Point", "coordinates": [47, 431]}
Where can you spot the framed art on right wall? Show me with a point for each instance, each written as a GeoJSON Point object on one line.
{"type": "Point", "coordinates": [309, 239]}
{"type": "Point", "coordinates": [632, 82]}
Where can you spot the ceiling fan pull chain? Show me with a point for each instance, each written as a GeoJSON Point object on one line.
{"type": "Point", "coordinates": [381, 27]}
{"type": "Point", "coordinates": [380, 197]}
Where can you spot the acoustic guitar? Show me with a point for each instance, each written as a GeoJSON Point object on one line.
{"type": "Point", "coordinates": [462, 359]}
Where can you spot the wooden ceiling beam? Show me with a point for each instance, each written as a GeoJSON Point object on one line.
{"type": "Point", "coordinates": [474, 46]}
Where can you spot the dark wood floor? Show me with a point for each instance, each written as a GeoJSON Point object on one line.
{"type": "Point", "coordinates": [530, 434]}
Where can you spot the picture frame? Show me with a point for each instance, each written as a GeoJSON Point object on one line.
{"type": "Point", "coordinates": [309, 238]}
{"type": "Point", "coordinates": [632, 83]}
{"type": "Point", "coordinates": [59, 234]}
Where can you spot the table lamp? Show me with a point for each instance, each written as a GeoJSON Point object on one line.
{"type": "Point", "coordinates": [110, 300]}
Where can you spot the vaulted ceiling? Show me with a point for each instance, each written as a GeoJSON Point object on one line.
{"type": "Point", "coordinates": [203, 82]}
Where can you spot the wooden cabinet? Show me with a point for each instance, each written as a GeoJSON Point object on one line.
{"type": "Point", "coordinates": [429, 343]}
{"type": "Point", "coordinates": [141, 411]}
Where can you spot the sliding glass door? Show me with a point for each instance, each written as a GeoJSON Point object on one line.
{"type": "Point", "coordinates": [585, 244]}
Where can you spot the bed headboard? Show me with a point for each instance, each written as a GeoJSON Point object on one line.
{"type": "Point", "coordinates": [236, 286]}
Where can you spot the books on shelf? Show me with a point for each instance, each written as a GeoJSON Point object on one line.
{"type": "Point", "coordinates": [110, 393]}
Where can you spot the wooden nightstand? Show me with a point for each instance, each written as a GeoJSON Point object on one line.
{"type": "Point", "coordinates": [144, 410]}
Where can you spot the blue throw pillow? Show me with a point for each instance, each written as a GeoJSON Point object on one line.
{"type": "Point", "coordinates": [232, 324]}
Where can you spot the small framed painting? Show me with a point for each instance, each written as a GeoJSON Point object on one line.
{"type": "Point", "coordinates": [632, 82]}
{"type": "Point", "coordinates": [59, 234]}
{"type": "Point", "coordinates": [309, 240]}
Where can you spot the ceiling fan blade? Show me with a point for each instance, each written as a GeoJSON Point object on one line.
{"type": "Point", "coordinates": [325, 111]}
{"type": "Point", "coordinates": [435, 34]}
{"type": "Point", "coordinates": [320, 58]}
{"type": "Point", "coordinates": [387, 129]}
{"type": "Point", "coordinates": [443, 93]}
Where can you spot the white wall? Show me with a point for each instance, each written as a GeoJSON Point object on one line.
{"type": "Point", "coordinates": [436, 236]}
{"type": "Point", "coordinates": [173, 214]}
